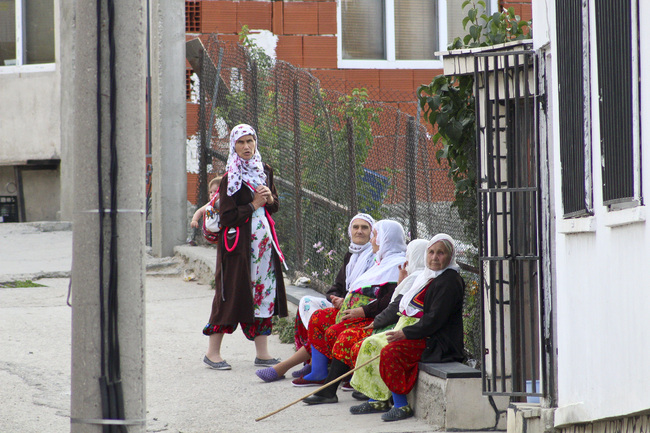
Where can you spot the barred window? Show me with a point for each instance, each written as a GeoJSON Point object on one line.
{"type": "Point", "coordinates": [574, 116]}
{"type": "Point", "coordinates": [617, 41]}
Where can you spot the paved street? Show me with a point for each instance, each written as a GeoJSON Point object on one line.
{"type": "Point", "coordinates": [182, 394]}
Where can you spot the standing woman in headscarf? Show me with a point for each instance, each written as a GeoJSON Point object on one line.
{"type": "Point", "coordinates": [368, 296]}
{"type": "Point", "coordinates": [430, 329]}
{"type": "Point", "coordinates": [249, 286]}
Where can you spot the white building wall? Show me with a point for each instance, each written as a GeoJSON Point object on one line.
{"type": "Point", "coordinates": [30, 129]}
{"type": "Point", "coordinates": [29, 116]}
{"type": "Point", "coordinates": [603, 272]}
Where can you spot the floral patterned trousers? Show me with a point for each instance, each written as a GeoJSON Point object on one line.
{"type": "Point", "coordinates": [251, 330]}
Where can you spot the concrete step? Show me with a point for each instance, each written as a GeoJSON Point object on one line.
{"type": "Point", "coordinates": [165, 266]}
{"type": "Point", "coordinates": [197, 262]}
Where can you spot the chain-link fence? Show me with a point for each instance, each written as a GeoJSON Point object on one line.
{"type": "Point", "coordinates": [333, 154]}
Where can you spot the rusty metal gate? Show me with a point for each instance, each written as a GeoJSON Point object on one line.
{"type": "Point", "coordinates": [509, 212]}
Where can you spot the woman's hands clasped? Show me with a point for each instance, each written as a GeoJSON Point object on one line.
{"type": "Point", "coordinates": [265, 192]}
{"type": "Point", "coordinates": [336, 302]}
{"type": "Point", "coordinates": [263, 196]}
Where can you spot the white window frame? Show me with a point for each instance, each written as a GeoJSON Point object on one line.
{"type": "Point", "coordinates": [19, 67]}
{"type": "Point", "coordinates": [390, 62]}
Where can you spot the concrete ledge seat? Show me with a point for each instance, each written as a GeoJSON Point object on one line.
{"type": "Point", "coordinates": [294, 293]}
{"type": "Point", "coordinates": [449, 370]}
{"type": "Point", "coordinates": [449, 395]}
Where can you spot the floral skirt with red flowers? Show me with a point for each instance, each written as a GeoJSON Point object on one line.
{"type": "Point", "coordinates": [346, 347]}
{"type": "Point", "coordinates": [323, 330]}
{"type": "Point", "coordinates": [398, 364]}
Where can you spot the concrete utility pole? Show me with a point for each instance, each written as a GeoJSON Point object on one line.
{"type": "Point", "coordinates": [126, 63]}
{"type": "Point", "coordinates": [169, 134]}
{"type": "Point", "coordinates": [65, 65]}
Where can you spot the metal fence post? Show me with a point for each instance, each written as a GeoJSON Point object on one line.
{"type": "Point", "coordinates": [202, 193]}
{"type": "Point", "coordinates": [205, 117]}
{"type": "Point", "coordinates": [352, 170]}
{"type": "Point", "coordinates": [297, 173]}
{"type": "Point", "coordinates": [255, 122]}
{"type": "Point", "coordinates": [411, 164]}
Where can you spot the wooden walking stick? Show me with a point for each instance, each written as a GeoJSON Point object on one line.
{"type": "Point", "coordinates": [321, 388]}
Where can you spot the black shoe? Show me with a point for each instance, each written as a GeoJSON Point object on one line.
{"type": "Point", "coordinates": [317, 399]}
{"type": "Point", "coordinates": [359, 396]}
{"type": "Point", "coordinates": [370, 407]}
{"type": "Point", "coordinates": [398, 413]}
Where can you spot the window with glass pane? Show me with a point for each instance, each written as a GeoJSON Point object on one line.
{"type": "Point", "coordinates": [456, 13]}
{"type": "Point", "coordinates": [416, 29]}
{"type": "Point", "coordinates": [363, 28]}
{"type": "Point", "coordinates": [7, 33]}
{"type": "Point", "coordinates": [39, 31]}
{"type": "Point", "coordinates": [36, 30]}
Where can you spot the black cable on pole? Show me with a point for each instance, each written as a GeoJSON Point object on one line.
{"type": "Point", "coordinates": [110, 378]}
{"type": "Point", "coordinates": [114, 372]}
{"type": "Point", "coordinates": [103, 382]}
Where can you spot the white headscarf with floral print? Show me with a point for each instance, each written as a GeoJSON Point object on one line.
{"type": "Point", "coordinates": [241, 170]}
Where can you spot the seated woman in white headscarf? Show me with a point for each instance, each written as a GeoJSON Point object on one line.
{"type": "Point", "coordinates": [368, 296]}
{"type": "Point", "coordinates": [356, 261]}
{"type": "Point", "coordinates": [429, 329]}
{"type": "Point", "coordinates": [346, 347]}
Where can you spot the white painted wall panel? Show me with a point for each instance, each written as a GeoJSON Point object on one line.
{"type": "Point", "coordinates": [30, 116]}
{"type": "Point", "coordinates": [603, 277]}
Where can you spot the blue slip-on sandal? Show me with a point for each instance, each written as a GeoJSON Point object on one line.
{"type": "Point", "coordinates": [268, 374]}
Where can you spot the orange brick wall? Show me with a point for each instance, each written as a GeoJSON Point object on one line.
{"type": "Point", "coordinates": [523, 8]}
{"type": "Point", "coordinates": [307, 38]}
{"type": "Point", "coordinates": [306, 32]}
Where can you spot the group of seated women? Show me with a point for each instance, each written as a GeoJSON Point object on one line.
{"type": "Point", "coordinates": [391, 306]}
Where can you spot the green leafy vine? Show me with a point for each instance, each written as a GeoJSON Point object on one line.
{"type": "Point", "coordinates": [485, 30]}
